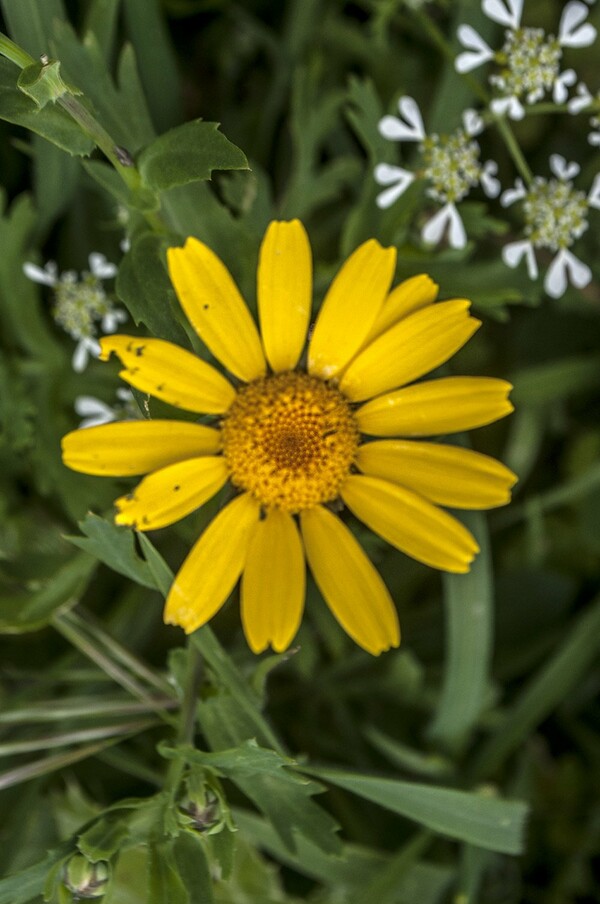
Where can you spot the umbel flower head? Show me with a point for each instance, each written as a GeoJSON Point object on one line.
{"type": "Point", "coordinates": [291, 441]}
{"type": "Point", "coordinates": [529, 62]}
{"type": "Point", "coordinates": [449, 164]}
{"type": "Point", "coordinates": [556, 215]}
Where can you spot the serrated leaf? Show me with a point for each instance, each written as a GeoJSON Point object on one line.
{"type": "Point", "coordinates": [188, 153]}
{"type": "Point", "coordinates": [487, 822]}
{"type": "Point", "coordinates": [247, 759]}
{"type": "Point", "coordinates": [115, 546]}
{"type": "Point", "coordinates": [144, 287]}
{"type": "Point", "coordinates": [51, 122]}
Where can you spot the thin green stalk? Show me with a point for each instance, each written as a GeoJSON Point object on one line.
{"type": "Point", "coordinates": [71, 631]}
{"type": "Point", "coordinates": [187, 718]}
{"type": "Point", "coordinates": [76, 737]}
{"type": "Point", "coordinates": [439, 39]}
{"type": "Point", "coordinates": [14, 53]}
{"type": "Point", "coordinates": [119, 157]}
{"type": "Point", "coordinates": [120, 653]}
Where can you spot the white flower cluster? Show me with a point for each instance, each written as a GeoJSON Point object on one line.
{"type": "Point", "coordinates": [556, 215]}
{"type": "Point", "coordinates": [449, 163]}
{"type": "Point", "coordinates": [81, 304]}
{"type": "Point", "coordinates": [528, 67]}
{"type": "Point", "coordinates": [529, 62]}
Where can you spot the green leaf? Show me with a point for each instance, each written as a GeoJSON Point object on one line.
{"type": "Point", "coordinates": [468, 600]}
{"type": "Point", "coordinates": [543, 384]}
{"type": "Point", "coordinates": [188, 153]}
{"type": "Point", "coordinates": [164, 881]}
{"type": "Point", "coordinates": [486, 822]}
{"type": "Point", "coordinates": [161, 573]}
{"type": "Point", "coordinates": [354, 870]}
{"type": "Point", "coordinates": [103, 840]}
{"type": "Point", "coordinates": [247, 759]}
{"type": "Point", "coordinates": [115, 546]}
{"type": "Point", "coordinates": [143, 285]}
{"type": "Point", "coordinates": [28, 884]}
{"type": "Point", "coordinates": [44, 84]}
{"type": "Point", "coordinates": [30, 22]}
{"type": "Point", "coordinates": [157, 63]}
{"type": "Point", "coordinates": [189, 856]}
{"type": "Point", "coordinates": [23, 612]}
{"type": "Point", "coordinates": [101, 18]}
{"type": "Point", "coordinates": [51, 122]}
{"type": "Point", "coordinates": [577, 653]}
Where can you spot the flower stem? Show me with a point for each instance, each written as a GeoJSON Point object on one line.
{"type": "Point", "coordinates": [187, 718]}
{"type": "Point", "coordinates": [439, 39]}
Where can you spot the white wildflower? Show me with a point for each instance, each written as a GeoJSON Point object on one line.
{"type": "Point", "coordinates": [449, 163]}
{"type": "Point", "coordinates": [529, 62]}
{"type": "Point", "coordinates": [555, 215]}
{"type": "Point", "coordinates": [81, 305]}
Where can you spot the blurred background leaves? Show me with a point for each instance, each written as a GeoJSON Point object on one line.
{"type": "Point", "coordinates": [492, 702]}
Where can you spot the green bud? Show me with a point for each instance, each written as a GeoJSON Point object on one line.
{"type": "Point", "coordinates": [203, 810]}
{"type": "Point", "coordinates": [86, 880]}
{"type": "Point", "coordinates": [43, 82]}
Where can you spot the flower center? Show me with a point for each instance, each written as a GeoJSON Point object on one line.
{"type": "Point", "coordinates": [290, 440]}
{"type": "Point", "coordinates": [555, 213]}
{"type": "Point", "coordinates": [451, 165]}
{"type": "Point", "coordinates": [532, 62]}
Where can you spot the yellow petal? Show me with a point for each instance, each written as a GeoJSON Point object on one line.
{"type": "Point", "coordinates": [350, 585]}
{"type": "Point", "coordinates": [215, 308]}
{"type": "Point", "coordinates": [172, 493]}
{"type": "Point", "coordinates": [170, 373]}
{"type": "Point", "coordinates": [446, 405]}
{"type": "Point", "coordinates": [410, 523]}
{"type": "Point", "coordinates": [273, 584]}
{"type": "Point", "coordinates": [284, 292]}
{"type": "Point", "coordinates": [136, 447]}
{"type": "Point", "coordinates": [406, 298]}
{"type": "Point", "coordinates": [411, 348]}
{"type": "Point", "coordinates": [447, 475]}
{"type": "Point", "coordinates": [213, 567]}
{"type": "Point", "coordinates": [350, 308]}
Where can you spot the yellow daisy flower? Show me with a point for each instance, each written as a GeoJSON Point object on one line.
{"type": "Point", "coordinates": [290, 440]}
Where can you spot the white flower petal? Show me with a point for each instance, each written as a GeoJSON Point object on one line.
{"type": "Point", "coordinates": [513, 194]}
{"type": "Point", "coordinates": [566, 268]}
{"type": "Point", "coordinates": [560, 90]}
{"type": "Point", "coordinates": [87, 406]}
{"type": "Point", "coordinates": [409, 127]}
{"type": "Point", "coordinates": [581, 101]}
{"type": "Point", "coordinates": [399, 179]}
{"type": "Point", "coordinates": [593, 198]}
{"type": "Point", "coordinates": [498, 12]}
{"type": "Point", "coordinates": [571, 33]}
{"type": "Point", "coordinates": [84, 348]}
{"type": "Point", "coordinates": [46, 276]}
{"type": "Point", "coordinates": [100, 267]}
{"type": "Point", "coordinates": [478, 51]}
{"type": "Point", "coordinates": [472, 122]}
{"type": "Point", "coordinates": [447, 217]}
{"type": "Point", "coordinates": [561, 169]}
{"type": "Point", "coordinates": [489, 182]}
{"type": "Point", "coordinates": [508, 106]}
{"type": "Point", "coordinates": [513, 253]}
